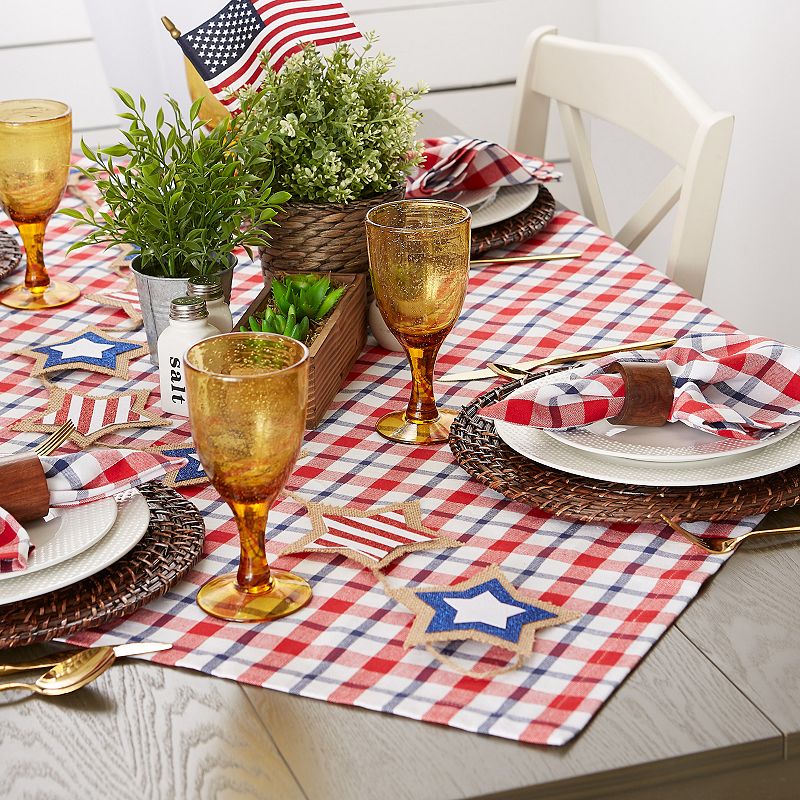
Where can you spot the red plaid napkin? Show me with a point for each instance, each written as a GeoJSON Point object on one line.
{"type": "Point", "coordinates": [458, 163]}
{"type": "Point", "coordinates": [14, 543]}
{"type": "Point", "coordinates": [81, 478]}
{"type": "Point", "coordinates": [729, 384]}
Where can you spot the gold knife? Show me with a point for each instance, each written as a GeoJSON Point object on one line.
{"type": "Point", "coordinates": [51, 659]}
{"type": "Point", "coordinates": [533, 257]}
{"type": "Point", "coordinates": [562, 358]}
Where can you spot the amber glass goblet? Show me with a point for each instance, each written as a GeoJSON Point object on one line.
{"type": "Point", "coordinates": [419, 264]}
{"type": "Point", "coordinates": [247, 397]}
{"type": "Point", "coordinates": [35, 142]}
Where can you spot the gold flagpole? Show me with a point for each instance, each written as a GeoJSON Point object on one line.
{"type": "Point", "coordinates": [211, 110]}
{"type": "Point", "coordinates": [170, 26]}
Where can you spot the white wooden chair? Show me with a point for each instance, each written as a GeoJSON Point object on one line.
{"type": "Point", "coordinates": [639, 92]}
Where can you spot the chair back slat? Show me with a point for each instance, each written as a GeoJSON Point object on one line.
{"type": "Point", "coordinates": [639, 92]}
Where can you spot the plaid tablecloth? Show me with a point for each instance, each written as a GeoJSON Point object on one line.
{"type": "Point", "coordinates": [630, 582]}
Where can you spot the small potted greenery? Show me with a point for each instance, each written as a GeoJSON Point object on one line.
{"type": "Point", "coordinates": [183, 198]}
{"type": "Point", "coordinates": [325, 311]}
{"type": "Point", "coordinates": [342, 141]}
{"type": "Point", "coordinates": [298, 306]}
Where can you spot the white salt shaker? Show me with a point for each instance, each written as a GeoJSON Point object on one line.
{"type": "Point", "coordinates": [188, 324]}
{"type": "Point", "coordinates": [210, 289]}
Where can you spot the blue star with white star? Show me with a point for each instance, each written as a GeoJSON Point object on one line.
{"type": "Point", "coordinates": [87, 348]}
{"type": "Point", "coordinates": [482, 608]}
{"type": "Point", "coordinates": [193, 470]}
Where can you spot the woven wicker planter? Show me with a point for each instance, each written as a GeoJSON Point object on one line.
{"type": "Point", "coordinates": [334, 349]}
{"type": "Point", "coordinates": [322, 237]}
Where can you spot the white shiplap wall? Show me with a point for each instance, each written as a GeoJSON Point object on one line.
{"type": "Point", "coordinates": [47, 50]}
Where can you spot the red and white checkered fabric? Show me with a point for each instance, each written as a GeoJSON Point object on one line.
{"type": "Point", "coordinates": [628, 581]}
{"type": "Point", "coordinates": [77, 478]}
{"type": "Point", "coordinates": [15, 544]}
{"type": "Point", "coordinates": [728, 384]}
{"type": "Point", "coordinates": [458, 163]}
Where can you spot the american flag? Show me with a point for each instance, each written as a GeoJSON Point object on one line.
{"type": "Point", "coordinates": [225, 49]}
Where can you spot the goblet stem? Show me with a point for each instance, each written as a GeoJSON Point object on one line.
{"type": "Point", "coordinates": [36, 277]}
{"type": "Point", "coordinates": [253, 574]}
{"type": "Point", "coordinates": [422, 405]}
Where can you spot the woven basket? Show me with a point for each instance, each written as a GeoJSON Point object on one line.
{"type": "Point", "coordinates": [322, 237]}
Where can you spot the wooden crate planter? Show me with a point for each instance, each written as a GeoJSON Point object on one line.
{"type": "Point", "coordinates": [335, 348]}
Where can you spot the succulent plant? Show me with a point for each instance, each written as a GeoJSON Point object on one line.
{"type": "Point", "coordinates": [299, 301]}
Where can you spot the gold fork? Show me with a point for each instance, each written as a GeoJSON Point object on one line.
{"type": "Point", "coordinates": [727, 544]}
{"type": "Point", "coordinates": [55, 439]}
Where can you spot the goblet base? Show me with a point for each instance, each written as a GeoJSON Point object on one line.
{"type": "Point", "coordinates": [58, 293]}
{"type": "Point", "coordinates": [398, 428]}
{"type": "Point", "coordinates": [222, 597]}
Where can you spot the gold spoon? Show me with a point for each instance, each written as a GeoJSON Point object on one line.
{"type": "Point", "coordinates": [71, 674]}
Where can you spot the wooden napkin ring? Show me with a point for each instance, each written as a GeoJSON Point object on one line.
{"type": "Point", "coordinates": [23, 488]}
{"type": "Point", "coordinates": [648, 393]}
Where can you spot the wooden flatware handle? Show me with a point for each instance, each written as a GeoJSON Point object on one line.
{"type": "Point", "coordinates": [648, 393]}
{"type": "Point", "coordinates": [23, 488]}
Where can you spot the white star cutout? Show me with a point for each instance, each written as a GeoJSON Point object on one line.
{"type": "Point", "coordinates": [484, 607]}
{"type": "Point", "coordinates": [85, 348]}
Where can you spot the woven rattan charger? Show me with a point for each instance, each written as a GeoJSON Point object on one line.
{"type": "Point", "coordinates": [518, 228]}
{"type": "Point", "coordinates": [172, 545]}
{"type": "Point", "coordinates": [10, 254]}
{"type": "Point", "coordinates": [481, 452]}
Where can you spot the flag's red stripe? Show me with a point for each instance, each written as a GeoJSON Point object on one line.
{"type": "Point", "coordinates": [286, 8]}
{"type": "Point", "coordinates": [310, 34]}
{"type": "Point", "coordinates": [319, 42]}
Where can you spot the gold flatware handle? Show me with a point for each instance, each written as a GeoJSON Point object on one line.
{"type": "Point", "coordinates": [599, 352]}
{"type": "Point", "coordinates": [532, 257]}
{"type": "Point", "coordinates": [53, 659]}
{"type": "Point", "coordinates": [490, 370]}
{"type": "Point", "coordinates": [10, 669]}
{"type": "Point", "coordinates": [7, 687]}
{"type": "Point", "coordinates": [726, 545]}
{"type": "Point", "coordinates": [770, 531]}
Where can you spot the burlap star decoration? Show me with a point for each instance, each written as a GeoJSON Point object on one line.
{"type": "Point", "coordinates": [126, 299]}
{"type": "Point", "coordinates": [93, 417]}
{"type": "Point", "coordinates": [373, 538]}
{"type": "Point", "coordinates": [90, 349]}
{"type": "Point", "coordinates": [485, 608]}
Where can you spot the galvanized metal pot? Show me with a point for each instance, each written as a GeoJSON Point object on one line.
{"type": "Point", "coordinates": [156, 293]}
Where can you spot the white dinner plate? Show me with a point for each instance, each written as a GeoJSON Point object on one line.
{"type": "Point", "coordinates": [473, 199]}
{"type": "Point", "coordinates": [668, 443]}
{"type": "Point", "coordinates": [510, 200]}
{"type": "Point", "coordinates": [133, 516]}
{"type": "Point", "coordinates": [64, 533]}
{"type": "Point", "coordinates": [544, 449]}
